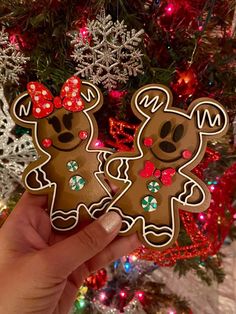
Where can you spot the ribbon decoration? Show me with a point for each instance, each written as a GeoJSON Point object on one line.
{"type": "Point", "coordinates": [164, 175]}
{"type": "Point", "coordinates": [44, 103]}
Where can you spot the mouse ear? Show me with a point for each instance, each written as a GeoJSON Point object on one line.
{"type": "Point", "coordinates": [211, 117]}
{"type": "Point", "coordinates": [22, 110]}
{"type": "Point", "coordinates": [91, 95]}
{"type": "Point", "coordinates": [151, 98]}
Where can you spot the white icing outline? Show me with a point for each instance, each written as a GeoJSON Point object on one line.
{"type": "Point", "coordinates": [207, 114]}
{"type": "Point", "coordinates": [180, 170]}
{"type": "Point", "coordinates": [53, 184]}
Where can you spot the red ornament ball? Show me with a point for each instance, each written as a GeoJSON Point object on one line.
{"type": "Point", "coordinates": [83, 135]}
{"type": "Point", "coordinates": [47, 142]}
{"type": "Point", "coordinates": [97, 280]}
{"type": "Point", "coordinates": [185, 83]}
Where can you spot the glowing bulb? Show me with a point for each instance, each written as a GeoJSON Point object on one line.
{"type": "Point", "coordinates": [201, 216]}
{"type": "Point", "coordinates": [84, 32]}
{"type": "Point", "coordinates": [170, 9]}
{"type": "Point", "coordinates": [133, 258]}
{"type": "Point", "coordinates": [116, 264]}
{"type": "Point", "coordinates": [98, 144]}
{"type": "Point", "coordinates": [102, 296]}
{"type": "Point", "coordinates": [81, 303]}
{"type": "Point", "coordinates": [123, 294]}
{"type": "Point", "coordinates": [212, 188]}
{"type": "Point", "coordinates": [140, 295]}
{"type": "Point", "coordinates": [116, 94]}
{"type": "Point", "coordinates": [127, 266]}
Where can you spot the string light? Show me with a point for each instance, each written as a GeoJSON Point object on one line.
{"type": "Point", "coordinates": [123, 294]}
{"type": "Point", "coordinates": [102, 296]}
{"type": "Point", "coordinates": [201, 216]}
{"type": "Point", "coordinates": [84, 33]}
{"type": "Point", "coordinates": [133, 258]}
{"type": "Point", "coordinates": [170, 9]}
{"type": "Point", "coordinates": [140, 295]}
{"type": "Point", "coordinates": [127, 266]}
{"type": "Point", "coordinates": [97, 144]}
{"type": "Point", "coordinates": [116, 264]}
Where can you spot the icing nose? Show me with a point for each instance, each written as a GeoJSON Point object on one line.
{"type": "Point", "coordinates": [66, 137]}
{"type": "Point", "coordinates": [167, 147]}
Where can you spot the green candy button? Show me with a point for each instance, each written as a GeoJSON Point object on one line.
{"type": "Point", "coordinates": [149, 203]}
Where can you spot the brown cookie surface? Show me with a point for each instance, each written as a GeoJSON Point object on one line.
{"type": "Point", "coordinates": [70, 167]}
{"type": "Point", "coordinates": [155, 180]}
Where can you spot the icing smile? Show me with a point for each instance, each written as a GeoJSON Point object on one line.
{"type": "Point", "coordinates": [165, 160]}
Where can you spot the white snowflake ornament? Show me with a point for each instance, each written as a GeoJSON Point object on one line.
{"type": "Point", "coordinates": [15, 153]}
{"type": "Point", "coordinates": [107, 53]}
{"type": "Point", "coordinates": [11, 60]}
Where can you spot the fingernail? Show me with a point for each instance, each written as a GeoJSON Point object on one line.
{"type": "Point", "coordinates": [111, 221]}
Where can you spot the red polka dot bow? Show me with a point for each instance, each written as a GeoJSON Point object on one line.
{"type": "Point", "coordinates": [164, 175]}
{"type": "Point", "coordinates": [44, 102]}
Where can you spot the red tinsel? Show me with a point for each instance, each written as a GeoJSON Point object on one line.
{"type": "Point", "coordinates": [97, 280]}
{"type": "Point", "coordinates": [122, 135]}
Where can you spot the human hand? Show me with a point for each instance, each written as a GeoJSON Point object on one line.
{"type": "Point", "coordinates": [40, 270]}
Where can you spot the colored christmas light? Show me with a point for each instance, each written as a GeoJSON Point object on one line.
{"type": "Point", "coordinates": [123, 294]}
{"type": "Point", "coordinates": [201, 216]}
{"type": "Point", "coordinates": [170, 8]}
{"type": "Point", "coordinates": [140, 295]}
{"type": "Point", "coordinates": [102, 296]}
{"type": "Point", "coordinates": [127, 266]}
{"type": "Point", "coordinates": [116, 264]}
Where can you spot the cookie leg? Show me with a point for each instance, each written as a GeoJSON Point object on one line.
{"type": "Point", "coordinates": [63, 220]}
{"type": "Point", "coordinates": [157, 237]}
{"type": "Point", "coordinates": [98, 209]}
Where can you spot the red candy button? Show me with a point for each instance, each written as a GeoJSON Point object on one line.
{"type": "Point", "coordinates": [47, 142]}
{"type": "Point", "coordinates": [83, 135]}
{"type": "Point", "coordinates": [148, 142]}
{"type": "Point", "coordinates": [187, 154]}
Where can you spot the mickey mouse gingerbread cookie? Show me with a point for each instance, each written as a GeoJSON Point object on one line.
{"type": "Point", "coordinates": [68, 169]}
{"type": "Point", "coordinates": [155, 180]}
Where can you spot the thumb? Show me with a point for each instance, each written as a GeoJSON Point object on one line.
{"type": "Point", "coordinates": [64, 257]}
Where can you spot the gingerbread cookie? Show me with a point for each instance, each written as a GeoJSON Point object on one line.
{"type": "Point", "coordinates": [155, 180]}
{"type": "Point", "coordinates": [70, 167]}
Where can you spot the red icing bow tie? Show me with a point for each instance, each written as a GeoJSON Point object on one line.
{"type": "Point", "coordinates": [164, 175]}
{"type": "Point", "coordinates": [44, 102]}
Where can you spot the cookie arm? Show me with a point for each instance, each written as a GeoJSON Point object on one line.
{"type": "Point", "coordinates": [195, 196]}
{"type": "Point", "coordinates": [35, 178]}
{"type": "Point", "coordinates": [117, 168]}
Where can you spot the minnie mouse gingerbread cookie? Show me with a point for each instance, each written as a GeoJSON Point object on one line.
{"type": "Point", "coordinates": [155, 180]}
{"type": "Point", "coordinates": [69, 168]}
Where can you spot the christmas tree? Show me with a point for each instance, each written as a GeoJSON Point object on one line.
{"type": "Point", "coordinates": [120, 46]}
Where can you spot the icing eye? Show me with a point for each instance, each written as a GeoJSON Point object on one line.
{"type": "Point", "coordinates": [165, 130]}
{"type": "Point", "coordinates": [54, 121]}
{"type": "Point", "coordinates": [47, 142]}
{"type": "Point", "coordinates": [178, 133]}
{"type": "Point", "coordinates": [67, 120]}
{"type": "Point", "coordinates": [83, 135]}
